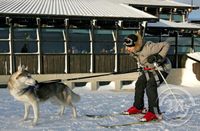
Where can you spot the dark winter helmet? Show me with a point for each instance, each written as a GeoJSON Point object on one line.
{"type": "Point", "coordinates": [130, 40]}
{"type": "Point", "coordinates": [134, 40]}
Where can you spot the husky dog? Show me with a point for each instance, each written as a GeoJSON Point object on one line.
{"type": "Point", "coordinates": [27, 90]}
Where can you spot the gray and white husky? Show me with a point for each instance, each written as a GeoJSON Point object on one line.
{"type": "Point", "coordinates": [27, 90]}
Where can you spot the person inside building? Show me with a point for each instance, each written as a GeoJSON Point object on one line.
{"type": "Point", "coordinates": [151, 57]}
{"type": "Point", "coordinates": [24, 49]}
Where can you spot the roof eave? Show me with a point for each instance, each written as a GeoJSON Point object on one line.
{"type": "Point", "coordinates": [17, 15]}
{"type": "Point", "coordinates": [166, 6]}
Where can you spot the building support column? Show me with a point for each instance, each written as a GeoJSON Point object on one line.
{"type": "Point", "coordinates": [91, 34]}
{"type": "Point", "coordinates": [12, 64]}
{"type": "Point", "coordinates": [176, 49]}
{"type": "Point", "coordinates": [39, 46]}
{"type": "Point", "coordinates": [65, 36]}
{"type": "Point", "coordinates": [116, 51]}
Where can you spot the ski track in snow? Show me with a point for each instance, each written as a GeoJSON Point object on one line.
{"type": "Point", "coordinates": [92, 102]}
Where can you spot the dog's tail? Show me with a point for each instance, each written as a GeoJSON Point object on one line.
{"type": "Point", "coordinates": [71, 96]}
{"type": "Point", "coordinates": [75, 97]}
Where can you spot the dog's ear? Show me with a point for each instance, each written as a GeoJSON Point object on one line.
{"type": "Point", "coordinates": [26, 68]}
{"type": "Point", "coordinates": [23, 67]}
{"type": "Point", "coordinates": [19, 68]}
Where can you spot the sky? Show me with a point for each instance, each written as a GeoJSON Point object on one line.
{"type": "Point", "coordinates": [195, 14]}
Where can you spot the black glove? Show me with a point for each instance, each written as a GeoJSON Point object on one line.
{"type": "Point", "coordinates": [140, 69]}
{"type": "Point", "coordinates": [154, 58]}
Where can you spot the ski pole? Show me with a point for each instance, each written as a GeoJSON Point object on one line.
{"type": "Point", "coordinates": [156, 65]}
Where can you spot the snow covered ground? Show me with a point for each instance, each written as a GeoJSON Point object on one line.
{"type": "Point", "coordinates": [185, 102]}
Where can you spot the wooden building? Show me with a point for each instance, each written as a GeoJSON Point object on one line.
{"type": "Point", "coordinates": [80, 36]}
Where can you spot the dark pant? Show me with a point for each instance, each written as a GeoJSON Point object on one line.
{"type": "Point", "coordinates": [151, 90]}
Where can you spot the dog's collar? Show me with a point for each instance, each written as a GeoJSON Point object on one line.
{"type": "Point", "coordinates": [31, 88]}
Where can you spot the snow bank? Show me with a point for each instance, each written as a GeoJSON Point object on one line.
{"type": "Point", "coordinates": [188, 77]}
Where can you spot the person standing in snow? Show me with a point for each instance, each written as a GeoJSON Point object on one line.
{"type": "Point", "coordinates": [151, 57]}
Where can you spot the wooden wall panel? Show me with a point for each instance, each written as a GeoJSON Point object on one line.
{"type": "Point", "coordinates": [28, 60]}
{"type": "Point", "coordinates": [126, 63]}
{"type": "Point", "coordinates": [79, 63]}
{"type": "Point", "coordinates": [104, 63]}
{"type": "Point", "coordinates": [4, 64]}
{"type": "Point", "coordinates": [52, 64]}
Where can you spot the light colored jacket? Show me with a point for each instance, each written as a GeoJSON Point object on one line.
{"type": "Point", "coordinates": [151, 48]}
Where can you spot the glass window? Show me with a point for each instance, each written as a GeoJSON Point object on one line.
{"type": "Point", "coordinates": [25, 47]}
{"type": "Point", "coordinates": [197, 48]}
{"type": "Point", "coordinates": [52, 35]}
{"type": "Point", "coordinates": [79, 47]}
{"type": "Point", "coordinates": [79, 35]}
{"type": "Point", "coordinates": [184, 44]}
{"type": "Point", "coordinates": [177, 18]}
{"type": "Point", "coordinates": [25, 40]}
{"type": "Point", "coordinates": [153, 39]}
{"type": "Point", "coordinates": [197, 44]}
{"type": "Point", "coordinates": [103, 42]}
{"type": "Point", "coordinates": [170, 40]}
{"type": "Point", "coordinates": [184, 49]}
{"type": "Point", "coordinates": [25, 33]}
{"type": "Point", "coordinates": [184, 41]}
{"type": "Point", "coordinates": [52, 41]}
{"type": "Point", "coordinates": [4, 33]}
{"type": "Point", "coordinates": [165, 16]}
{"type": "Point", "coordinates": [103, 35]}
{"type": "Point", "coordinates": [79, 41]}
{"type": "Point", "coordinates": [52, 47]}
{"type": "Point", "coordinates": [104, 47]}
{"type": "Point", "coordinates": [4, 46]}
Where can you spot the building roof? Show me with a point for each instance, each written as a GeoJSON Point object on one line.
{"type": "Point", "coordinates": [71, 8]}
{"type": "Point", "coordinates": [167, 24]}
{"type": "Point", "coordinates": [83, 8]}
{"type": "Point", "coordinates": [159, 3]}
